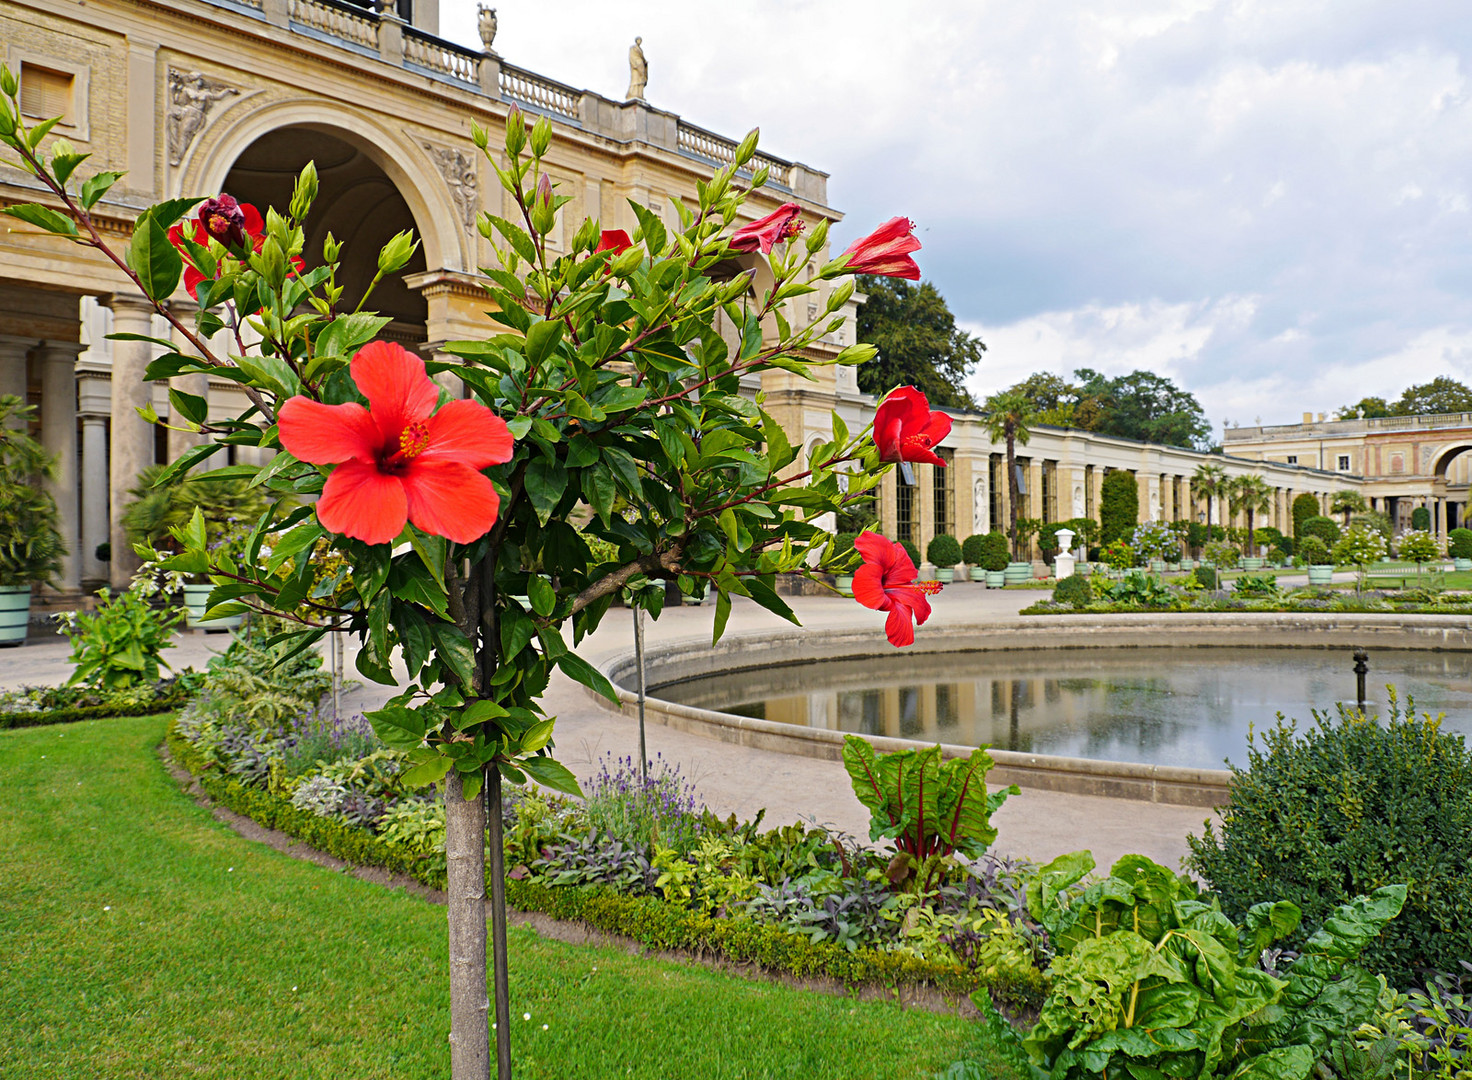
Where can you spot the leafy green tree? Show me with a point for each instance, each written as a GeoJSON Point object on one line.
{"type": "Point", "coordinates": [1119, 506]}
{"type": "Point", "coordinates": [1346, 503]}
{"type": "Point", "coordinates": [31, 547]}
{"type": "Point", "coordinates": [1440, 395]}
{"type": "Point", "coordinates": [1367, 408]}
{"type": "Point", "coordinates": [1058, 402]}
{"type": "Point", "coordinates": [1008, 416]}
{"type": "Point", "coordinates": [1147, 407]}
{"type": "Point", "coordinates": [1305, 506]}
{"type": "Point", "coordinates": [1420, 547]}
{"type": "Point", "coordinates": [918, 340]}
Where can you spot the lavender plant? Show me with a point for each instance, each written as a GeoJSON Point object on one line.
{"type": "Point", "coordinates": [656, 809]}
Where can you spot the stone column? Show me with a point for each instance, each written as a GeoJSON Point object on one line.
{"type": "Point", "coordinates": [13, 352]}
{"type": "Point", "coordinates": [132, 436]}
{"type": "Point", "coordinates": [1438, 520]}
{"type": "Point", "coordinates": [197, 384]}
{"type": "Point", "coordinates": [58, 361]}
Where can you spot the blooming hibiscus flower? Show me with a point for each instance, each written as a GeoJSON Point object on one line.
{"type": "Point", "coordinates": [232, 224]}
{"type": "Point", "coordinates": [399, 459]}
{"type": "Point", "coordinates": [905, 429]}
{"type": "Point", "coordinates": [614, 240]}
{"type": "Point", "coordinates": [886, 582]}
{"type": "Point", "coordinates": [763, 234]}
{"type": "Point", "coordinates": [885, 252]}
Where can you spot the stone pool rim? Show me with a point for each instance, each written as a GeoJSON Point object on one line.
{"type": "Point", "coordinates": [694, 657]}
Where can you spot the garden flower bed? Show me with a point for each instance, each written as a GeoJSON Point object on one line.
{"type": "Point", "coordinates": [33, 706]}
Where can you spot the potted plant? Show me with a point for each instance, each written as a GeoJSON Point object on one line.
{"type": "Point", "coordinates": [945, 552]}
{"type": "Point", "coordinates": [994, 559]}
{"type": "Point", "coordinates": [1459, 547]}
{"type": "Point", "coordinates": [842, 545]}
{"type": "Point", "coordinates": [30, 541]}
{"type": "Point", "coordinates": [971, 554]}
{"type": "Point", "coordinates": [1314, 553]}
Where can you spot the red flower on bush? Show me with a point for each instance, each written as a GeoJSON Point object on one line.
{"type": "Point", "coordinates": [905, 428]}
{"type": "Point", "coordinates": [614, 240]}
{"type": "Point", "coordinates": [886, 582]}
{"type": "Point", "coordinates": [232, 224]}
{"type": "Point", "coordinates": [400, 459]}
{"type": "Point", "coordinates": [885, 252]}
{"type": "Point", "coordinates": [762, 235]}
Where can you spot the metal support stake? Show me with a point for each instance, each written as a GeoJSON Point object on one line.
{"type": "Point", "coordinates": [639, 662]}
{"type": "Point", "coordinates": [1361, 669]}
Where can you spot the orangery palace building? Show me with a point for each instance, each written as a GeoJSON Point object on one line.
{"type": "Point", "coordinates": [193, 97]}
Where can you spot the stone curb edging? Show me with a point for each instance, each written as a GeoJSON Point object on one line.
{"type": "Point", "coordinates": [687, 659]}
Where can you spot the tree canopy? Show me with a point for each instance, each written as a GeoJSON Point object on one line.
{"type": "Point", "coordinates": [918, 340]}
{"type": "Point", "coordinates": [1441, 395]}
{"type": "Point", "coordinates": [1140, 405]}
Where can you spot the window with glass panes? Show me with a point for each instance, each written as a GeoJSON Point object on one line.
{"type": "Point", "coordinates": [904, 509]}
{"type": "Point", "coordinates": [942, 492]}
{"type": "Point", "coordinates": [996, 502]}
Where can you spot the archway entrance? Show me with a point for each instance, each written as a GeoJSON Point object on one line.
{"type": "Point", "coordinates": [356, 202]}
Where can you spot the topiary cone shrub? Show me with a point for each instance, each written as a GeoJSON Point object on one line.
{"type": "Point", "coordinates": [1459, 543]}
{"type": "Point", "coordinates": [912, 551]}
{"type": "Point", "coordinates": [1313, 552]}
{"type": "Point", "coordinates": [1074, 590]}
{"type": "Point", "coordinates": [995, 552]}
{"type": "Point", "coordinates": [1341, 809]}
{"type": "Point", "coordinates": [1420, 518]}
{"type": "Point", "coordinates": [1326, 529]}
{"type": "Point", "coordinates": [1304, 507]}
{"type": "Point", "coordinates": [943, 550]}
{"type": "Point", "coordinates": [1119, 506]}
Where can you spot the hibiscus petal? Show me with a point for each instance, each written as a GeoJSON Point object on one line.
{"type": "Point", "coordinates": [327, 434]}
{"type": "Point", "coordinates": [467, 432]}
{"type": "Point", "coordinates": [917, 603]}
{"type": "Point", "coordinates": [360, 501]}
{"type": "Point", "coordinates": [393, 380]}
{"type": "Point", "coordinates": [898, 627]}
{"type": "Point", "coordinates": [869, 587]}
{"type": "Point", "coordinates": [876, 550]}
{"type": "Point", "coordinates": [938, 427]}
{"type": "Point", "coordinates": [450, 499]}
{"type": "Point", "coordinates": [255, 225]}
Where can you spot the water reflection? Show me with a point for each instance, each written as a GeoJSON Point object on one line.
{"type": "Point", "coordinates": [1188, 707]}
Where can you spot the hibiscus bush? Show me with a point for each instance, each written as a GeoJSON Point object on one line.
{"type": "Point", "coordinates": [610, 385]}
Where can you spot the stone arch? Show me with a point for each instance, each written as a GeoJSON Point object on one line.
{"type": "Point", "coordinates": [1445, 455]}
{"type": "Point", "coordinates": [444, 239]}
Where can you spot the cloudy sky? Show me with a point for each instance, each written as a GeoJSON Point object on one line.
{"type": "Point", "coordinates": [1269, 202]}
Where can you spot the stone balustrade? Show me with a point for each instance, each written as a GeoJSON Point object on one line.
{"type": "Point", "coordinates": [366, 31]}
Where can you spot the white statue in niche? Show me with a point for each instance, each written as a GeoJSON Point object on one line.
{"type": "Point", "coordinates": [1078, 500]}
{"type": "Point", "coordinates": [979, 508]}
{"type": "Point", "coordinates": [1154, 504]}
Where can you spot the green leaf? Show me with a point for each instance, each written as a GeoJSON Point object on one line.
{"type": "Point", "coordinates": [545, 482]}
{"type": "Point", "coordinates": [171, 210]}
{"type": "Point", "coordinates": [651, 230]}
{"type": "Point", "coordinates": [537, 736]}
{"type": "Point", "coordinates": [516, 630]}
{"type": "Point", "coordinates": [190, 407]}
{"type": "Point", "coordinates": [399, 727]}
{"type": "Point", "coordinates": [517, 237]}
{"type": "Point", "coordinates": [539, 591]}
{"type": "Point", "coordinates": [94, 187]}
{"type": "Point", "coordinates": [431, 771]}
{"type": "Point", "coordinates": [348, 333]}
{"type": "Point", "coordinates": [1283, 1063]}
{"type": "Point", "coordinates": [579, 670]}
{"type": "Point", "coordinates": [43, 218]}
{"type": "Point", "coordinates": [541, 339]}
{"type": "Point", "coordinates": [551, 774]}
{"type": "Point", "coordinates": [154, 259]}
{"type": "Point", "coordinates": [455, 650]}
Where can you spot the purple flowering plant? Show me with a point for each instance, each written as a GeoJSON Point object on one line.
{"type": "Point", "coordinates": [657, 809]}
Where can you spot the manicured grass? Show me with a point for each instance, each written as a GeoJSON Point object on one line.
{"type": "Point", "coordinates": [140, 938]}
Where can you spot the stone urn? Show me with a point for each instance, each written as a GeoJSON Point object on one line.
{"type": "Point", "coordinates": [844, 583]}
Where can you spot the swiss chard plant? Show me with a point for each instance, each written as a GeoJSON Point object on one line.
{"type": "Point", "coordinates": [609, 392]}
{"type": "Point", "coordinates": [1150, 980]}
{"type": "Point", "coordinates": [929, 807]}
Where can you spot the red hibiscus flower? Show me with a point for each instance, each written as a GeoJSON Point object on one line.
{"type": "Point", "coordinates": [905, 429]}
{"type": "Point", "coordinates": [885, 252]}
{"type": "Point", "coordinates": [232, 224]}
{"type": "Point", "coordinates": [614, 240]}
{"type": "Point", "coordinates": [399, 459]}
{"type": "Point", "coordinates": [781, 224]}
{"type": "Point", "coordinates": [886, 582]}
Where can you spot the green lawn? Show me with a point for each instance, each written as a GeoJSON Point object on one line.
{"type": "Point", "coordinates": [140, 938]}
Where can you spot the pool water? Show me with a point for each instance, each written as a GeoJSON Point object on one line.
{"type": "Point", "coordinates": [1167, 706]}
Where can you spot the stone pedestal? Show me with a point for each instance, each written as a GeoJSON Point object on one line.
{"type": "Point", "coordinates": [58, 362]}
{"type": "Point", "coordinates": [1063, 566]}
{"type": "Point", "coordinates": [132, 436]}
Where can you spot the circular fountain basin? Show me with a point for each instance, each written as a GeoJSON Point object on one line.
{"type": "Point", "coordinates": [1140, 707]}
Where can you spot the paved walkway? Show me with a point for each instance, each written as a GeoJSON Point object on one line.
{"type": "Point", "coordinates": [740, 780]}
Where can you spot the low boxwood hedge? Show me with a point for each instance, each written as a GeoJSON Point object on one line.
{"type": "Point", "coordinates": [167, 697]}
{"type": "Point", "coordinates": [646, 919]}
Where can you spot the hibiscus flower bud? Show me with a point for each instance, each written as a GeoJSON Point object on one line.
{"type": "Point", "coordinates": [305, 193]}
{"type": "Point", "coordinates": [223, 219]}
{"type": "Point", "coordinates": [395, 254]}
{"type": "Point", "coordinates": [886, 251]}
{"type": "Point", "coordinates": [614, 240]}
{"type": "Point", "coordinates": [762, 235]}
{"type": "Point", "coordinates": [543, 211]}
{"type": "Point", "coordinates": [515, 131]}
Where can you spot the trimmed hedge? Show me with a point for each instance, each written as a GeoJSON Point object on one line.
{"type": "Point", "coordinates": [647, 919]}
{"type": "Point", "coordinates": [1119, 506]}
{"type": "Point", "coordinates": [173, 698]}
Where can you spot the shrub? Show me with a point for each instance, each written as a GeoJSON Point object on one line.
{"type": "Point", "coordinates": [1419, 547]}
{"type": "Point", "coordinates": [1153, 539]}
{"type": "Point", "coordinates": [912, 551]}
{"type": "Point", "coordinates": [1206, 577]}
{"type": "Point", "coordinates": [843, 543]}
{"type": "Point", "coordinates": [1196, 535]}
{"type": "Point", "coordinates": [1119, 555]}
{"type": "Point", "coordinates": [943, 550]}
{"type": "Point", "coordinates": [1359, 548]}
{"type": "Point", "coordinates": [1304, 507]}
{"type": "Point", "coordinates": [1255, 585]}
{"type": "Point", "coordinates": [1119, 506]}
{"type": "Point", "coordinates": [974, 547]}
{"type": "Point", "coordinates": [1459, 543]}
{"type": "Point", "coordinates": [1313, 552]}
{"type": "Point", "coordinates": [1074, 590]}
{"type": "Point", "coordinates": [119, 645]}
{"type": "Point", "coordinates": [1374, 521]}
{"type": "Point", "coordinates": [995, 551]}
{"type": "Point", "coordinates": [1343, 809]}
{"type": "Point", "coordinates": [1421, 518]}
{"type": "Point", "coordinates": [1221, 553]}
{"type": "Point", "coordinates": [30, 541]}
{"type": "Point", "coordinates": [1325, 528]}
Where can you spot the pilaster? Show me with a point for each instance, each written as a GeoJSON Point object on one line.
{"type": "Point", "coordinates": [131, 449]}
{"type": "Point", "coordinates": [58, 362]}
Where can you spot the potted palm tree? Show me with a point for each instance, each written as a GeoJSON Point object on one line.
{"type": "Point", "coordinates": [30, 541]}
{"type": "Point", "coordinates": [1251, 496]}
{"type": "Point", "coordinates": [1008, 415]}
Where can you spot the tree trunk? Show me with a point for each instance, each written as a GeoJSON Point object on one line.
{"type": "Point", "coordinates": [465, 888]}
{"type": "Point", "coordinates": [1251, 534]}
{"type": "Point", "coordinates": [498, 926]}
{"type": "Point", "coordinates": [1012, 487]}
